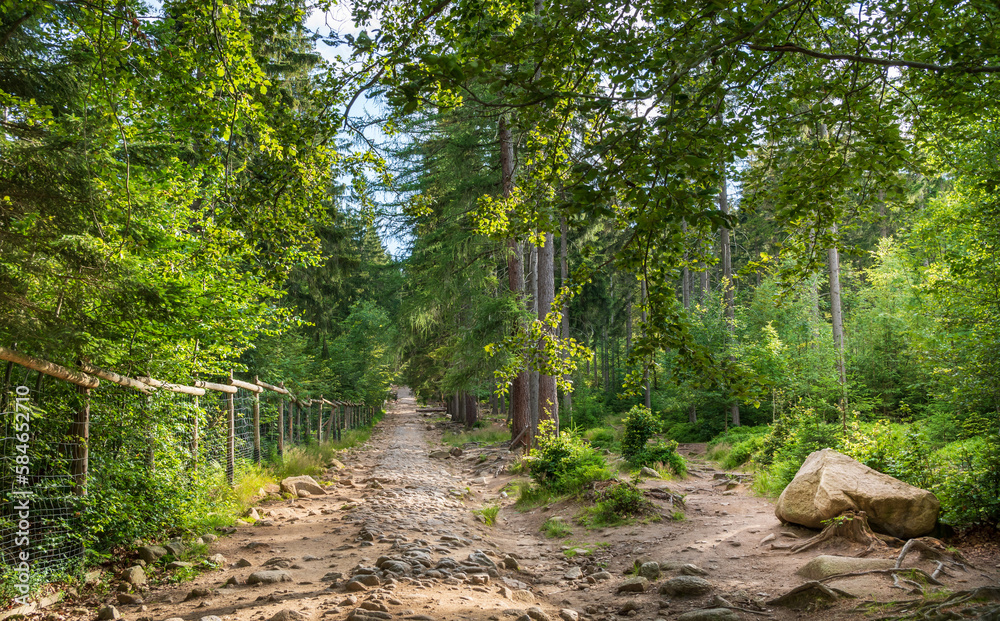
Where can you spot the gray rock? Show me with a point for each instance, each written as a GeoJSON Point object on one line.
{"type": "Point", "coordinates": [128, 599]}
{"type": "Point", "coordinates": [369, 580]}
{"type": "Point", "coordinates": [685, 586]}
{"type": "Point", "coordinates": [537, 614]}
{"type": "Point", "coordinates": [293, 485]}
{"type": "Point", "coordinates": [108, 613]}
{"type": "Point", "coordinates": [151, 554]}
{"type": "Point", "coordinates": [287, 615]}
{"type": "Point", "coordinates": [440, 455]}
{"type": "Point", "coordinates": [217, 559]}
{"type": "Point", "coordinates": [355, 586]}
{"type": "Point", "coordinates": [601, 576]}
{"type": "Point", "coordinates": [210, 618]}
{"type": "Point", "coordinates": [209, 538]}
{"type": "Point", "coordinates": [509, 562]}
{"type": "Point", "coordinates": [568, 614]}
{"type": "Point", "coordinates": [634, 585]}
{"type": "Point", "coordinates": [573, 573]}
{"type": "Point", "coordinates": [333, 576]}
{"type": "Point", "coordinates": [650, 571]}
{"type": "Point", "coordinates": [649, 473]}
{"type": "Point", "coordinates": [242, 563]}
{"type": "Point", "coordinates": [197, 593]}
{"type": "Point", "coordinates": [135, 576]}
{"type": "Point", "coordinates": [175, 548]}
{"type": "Point", "coordinates": [179, 564]}
{"type": "Point", "coordinates": [689, 569]}
{"type": "Point", "coordinates": [710, 614]}
{"type": "Point", "coordinates": [824, 566]}
{"type": "Point", "coordinates": [482, 560]}
{"type": "Point", "coordinates": [523, 595]}
{"type": "Point", "coordinates": [271, 576]}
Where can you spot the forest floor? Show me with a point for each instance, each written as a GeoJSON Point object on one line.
{"type": "Point", "coordinates": [393, 499]}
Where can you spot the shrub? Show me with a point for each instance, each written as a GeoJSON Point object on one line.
{"type": "Point", "coordinates": [618, 503]}
{"type": "Point", "coordinates": [563, 462]}
{"type": "Point", "coordinates": [488, 514]}
{"type": "Point", "coordinates": [969, 483]}
{"type": "Point", "coordinates": [663, 453]}
{"type": "Point", "coordinates": [556, 528]}
{"type": "Point", "coordinates": [640, 426]}
{"type": "Point", "coordinates": [601, 437]}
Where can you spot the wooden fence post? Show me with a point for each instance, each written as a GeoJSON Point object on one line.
{"type": "Point", "coordinates": [256, 425]}
{"type": "Point", "coordinates": [80, 431]}
{"type": "Point", "coordinates": [298, 423]}
{"type": "Point", "coordinates": [231, 441]}
{"type": "Point", "coordinates": [281, 424]}
{"type": "Point", "coordinates": [319, 422]}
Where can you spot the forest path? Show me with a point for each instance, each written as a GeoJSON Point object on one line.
{"type": "Point", "coordinates": [394, 500]}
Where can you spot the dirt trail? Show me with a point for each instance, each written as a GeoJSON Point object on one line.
{"type": "Point", "coordinates": [396, 506]}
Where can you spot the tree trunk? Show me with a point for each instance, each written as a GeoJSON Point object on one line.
{"type": "Point", "coordinates": [729, 290]}
{"type": "Point", "coordinates": [685, 272]}
{"type": "Point", "coordinates": [548, 399]}
{"type": "Point", "coordinates": [471, 411]}
{"type": "Point", "coordinates": [80, 434]}
{"type": "Point", "coordinates": [838, 327]}
{"type": "Point", "coordinates": [515, 277]}
{"type": "Point", "coordinates": [563, 277]}
{"type": "Point", "coordinates": [647, 397]}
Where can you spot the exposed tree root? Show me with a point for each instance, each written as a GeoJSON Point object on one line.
{"type": "Point", "coordinates": [955, 606]}
{"type": "Point", "coordinates": [851, 525]}
{"type": "Point", "coordinates": [892, 572]}
{"type": "Point", "coordinates": [933, 549]}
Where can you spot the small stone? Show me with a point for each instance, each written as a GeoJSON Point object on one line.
{"type": "Point", "coordinates": [690, 569]}
{"type": "Point", "coordinates": [108, 613]}
{"type": "Point", "coordinates": [573, 573]}
{"type": "Point", "coordinates": [234, 581]}
{"type": "Point", "coordinates": [537, 614]}
{"type": "Point", "coordinates": [568, 614]}
{"type": "Point", "coordinates": [649, 473]}
{"type": "Point", "coordinates": [269, 577]}
{"type": "Point", "coordinates": [350, 600]}
{"type": "Point", "coordinates": [355, 586]}
{"type": "Point", "coordinates": [197, 593]}
{"type": "Point", "coordinates": [650, 571]}
{"type": "Point", "coordinates": [179, 565]}
{"type": "Point", "coordinates": [601, 576]}
{"type": "Point", "coordinates": [217, 559]}
{"type": "Point", "coordinates": [175, 548]}
{"type": "Point", "coordinates": [629, 607]}
{"type": "Point", "coordinates": [128, 599]}
{"type": "Point", "coordinates": [151, 554]}
{"type": "Point", "coordinates": [287, 615]}
{"type": "Point", "coordinates": [252, 514]}
{"type": "Point", "coordinates": [684, 586]}
{"type": "Point", "coordinates": [523, 595]}
{"type": "Point", "coordinates": [634, 585]}
{"type": "Point", "coordinates": [304, 493]}
{"type": "Point", "coordinates": [209, 538]}
{"type": "Point", "coordinates": [440, 455]}
{"type": "Point", "coordinates": [242, 563]}
{"type": "Point", "coordinates": [135, 576]}
{"type": "Point", "coordinates": [455, 452]}
{"type": "Point", "coordinates": [210, 618]}
{"type": "Point", "coordinates": [509, 562]}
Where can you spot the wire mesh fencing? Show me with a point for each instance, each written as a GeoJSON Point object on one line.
{"type": "Point", "coordinates": [67, 452]}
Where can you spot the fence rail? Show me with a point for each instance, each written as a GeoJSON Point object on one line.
{"type": "Point", "coordinates": [63, 429]}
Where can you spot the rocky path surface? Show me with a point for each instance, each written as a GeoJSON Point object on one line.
{"type": "Point", "coordinates": [393, 536]}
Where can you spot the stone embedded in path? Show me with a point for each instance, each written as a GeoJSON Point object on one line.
{"type": "Point", "coordinates": [825, 566]}
{"type": "Point", "coordinates": [128, 599]}
{"type": "Point", "coordinates": [108, 613]}
{"type": "Point", "coordinates": [685, 586]}
{"type": "Point", "coordinates": [293, 485]}
{"type": "Point", "coordinates": [634, 585]}
{"type": "Point", "coordinates": [440, 455]}
{"type": "Point", "coordinates": [355, 586]}
{"type": "Point", "coordinates": [537, 614]}
{"type": "Point", "coordinates": [650, 570]}
{"type": "Point", "coordinates": [287, 615]}
{"type": "Point", "coordinates": [197, 593]}
{"type": "Point", "coordinates": [710, 614]}
{"type": "Point", "coordinates": [568, 614]}
{"type": "Point", "coordinates": [829, 483]}
{"type": "Point", "coordinates": [272, 576]}
{"type": "Point", "coordinates": [573, 573]}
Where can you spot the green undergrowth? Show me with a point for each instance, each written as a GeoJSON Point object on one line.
{"type": "Point", "coordinates": [488, 514]}
{"type": "Point", "coordinates": [964, 474]}
{"type": "Point", "coordinates": [555, 528]}
{"type": "Point", "coordinates": [488, 435]}
{"type": "Point", "coordinates": [617, 504]}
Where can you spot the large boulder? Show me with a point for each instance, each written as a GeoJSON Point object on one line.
{"type": "Point", "coordinates": [294, 485]}
{"type": "Point", "coordinates": [829, 483]}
